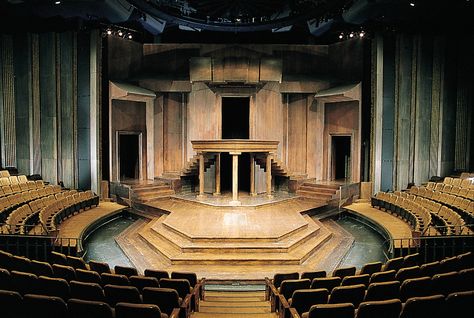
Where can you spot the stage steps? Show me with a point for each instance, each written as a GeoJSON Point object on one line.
{"type": "Point", "coordinates": [229, 303]}
{"type": "Point", "coordinates": [324, 192]}
{"type": "Point", "coordinates": [146, 192]}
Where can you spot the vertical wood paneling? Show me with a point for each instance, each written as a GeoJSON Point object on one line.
{"type": "Point", "coordinates": [203, 120]}
{"type": "Point", "coordinates": [172, 133]}
{"type": "Point", "coordinates": [66, 109]}
{"type": "Point", "coordinates": [158, 137]}
{"type": "Point", "coordinates": [7, 116]}
{"type": "Point", "coordinates": [403, 111]}
{"type": "Point", "coordinates": [297, 134]}
{"type": "Point", "coordinates": [423, 110]}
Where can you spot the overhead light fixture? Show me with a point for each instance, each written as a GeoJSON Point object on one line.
{"type": "Point", "coordinates": [109, 32]}
{"type": "Point", "coordinates": [361, 34]}
{"type": "Point", "coordinates": [351, 35]}
{"type": "Point", "coordinates": [130, 36]}
{"type": "Point", "coordinates": [412, 4]}
{"type": "Point", "coordinates": [57, 2]}
{"type": "Point", "coordinates": [341, 36]}
{"type": "Point", "coordinates": [120, 33]}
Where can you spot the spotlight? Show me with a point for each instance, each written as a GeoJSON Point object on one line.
{"type": "Point", "coordinates": [120, 33]}
{"type": "Point", "coordinates": [109, 32]}
{"type": "Point", "coordinates": [130, 36]}
{"type": "Point", "coordinates": [57, 2]}
{"type": "Point", "coordinates": [412, 4]}
{"type": "Point", "coordinates": [361, 34]}
{"type": "Point", "coordinates": [341, 36]}
{"type": "Point", "coordinates": [351, 35]}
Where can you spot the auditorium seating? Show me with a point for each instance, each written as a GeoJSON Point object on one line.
{"type": "Point", "coordinates": [409, 287]}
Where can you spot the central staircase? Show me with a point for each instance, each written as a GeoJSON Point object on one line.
{"type": "Point", "coordinates": [232, 301]}
{"type": "Point", "coordinates": [323, 192]}
{"type": "Point", "coordinates": [145, 192]}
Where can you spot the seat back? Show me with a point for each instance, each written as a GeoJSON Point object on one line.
{"type": "Point", "coordinates": [326, 282]}
{"type": "Point", "coordinates": [180, 285]}
{"type": "Point", "coordinates": [462, 302]}
{"type": "Point", "coordinates": [356, 279]}
{"type": "Point", "coordinates": [78, 308]}
{"type": "Point", "coordinates": [303, 299]}
{"type": "Point", "coordinates": [64, 271]}
{"type": "Point", "coordinates": [383, 291]}
{"type": "Point", "coordinates": [24, 283]}
{"type": "Point", "coordinates": [21, 264]}
{"type": "Point", "coordinates": [190, 276]}
{"type": "Point", "coordinates": [384, 276]}
{"type": "Point", "coordinates": [389, 308]}
{"type": "Point", "coordinates": [313, 275]}
{"type": "Point", "coordinates": [416, 287]}
{"type": "Point", "coordinates": [41, 268]}
{"type": "Point", "coordinates": [125, 270]}
{"type": "Point", "coordinates": [76, 262]}
{"type": "Point", "coordinates": [407, 272]}
{"type": "Point", "coordinates": [344, 271]}
{"type": "Point", "coordinates": [165, 298]}
{"type": "Point", "coordinates": [429, 269]}
{"type": "Point", "coordinates": [114, 279]}
{"type": "Point", "coordinates": [84, 275]}
{"type": "Point", "coordinates": [410, 260]}
{"type": "Point", "coordinates": [51, 286]}
{"type": "Point", "coordinates": [393, 263]}
{"type": "Point", "coordinates": [86, 291]}
{"type": "Point", "coordinates": [344, 310]}
{"type": "Point", "coordinates": [466, 277]}
{"type": "Point", "coordinates": [99, 267]}
{"type": "Point", "coordinates": [371, 268]}
{"type": "Point", "coordinates": [353, 294]}
{"type": "Point", "coordinates": [279, 277]}
{"type": "Point", "coordinates": [141, 282]}
{"type": "Point", "coordinates": [129, 310]}
{"type": "Point", "coordinates": [288, 286]}
{"type": "Point", "coordinates": [11, 304]}
{"type": "Point", "coordinates": [447, 283]}
{"type": "Point", "coordinates": [44, 306]}
{"type": "Point", "coordinates": [158, 274]}
{"type": "Point", "coordinates": [427, 306]}
{"type": "Point", "coordinates": [58, 258]}
{"type": "Point", "coordinates": [115, 294]}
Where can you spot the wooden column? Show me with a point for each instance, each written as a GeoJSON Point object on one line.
{"type": "Point", "coordinates": [201, 175]}
{"type": "Point", "coordinates": [269, 174]}
{"type": "Point", "coordinates": [252, 175]}
{"type": "Point", "coordinates": [235, 179]}
{"type": "Point", "coordinates": [218, 174]}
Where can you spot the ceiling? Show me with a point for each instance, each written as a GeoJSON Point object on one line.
{"type": "Point", "coordinates": [297, 20]}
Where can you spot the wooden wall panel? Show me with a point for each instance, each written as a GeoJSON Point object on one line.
{"type": "Point", "coordinates": [269, 113]}
{"type": "Point", "coordinates": [315, 138]}
{"type": "Point", "coordinates": [297, 133]}
{"type": "Point", "coordinates": [158, 135]}
{"type": "Point", "coordinates": [203, 116]}
{"type": "Point", "coordinates": [48, 102]}
{"type": "Point", "coordinates": [423, 111]}
{"type": "Point", "coordinates": [172, 133]}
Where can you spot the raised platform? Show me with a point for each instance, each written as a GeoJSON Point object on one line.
{"type": "Point", "coordinates": [260, 237]}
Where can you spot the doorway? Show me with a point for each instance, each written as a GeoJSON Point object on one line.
{"type": "Point", "coordinates": [235, 125]}
{"type": "Point", "coordinates": [341, 157]}
{"type": "Point", "coordinates": [129, 155]}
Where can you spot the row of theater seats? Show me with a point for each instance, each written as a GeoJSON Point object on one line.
{"type": "Point", "coordinates": [380, 287]}
{"type": "Point", "coordinates": [421, 212]}
{"type": "Point", "coordinates": [97, 286]}
{"type": "Point", "coordinates": [14, 184]}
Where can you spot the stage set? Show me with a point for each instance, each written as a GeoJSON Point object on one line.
{"type": "Point", "coordinates": [230, 151]}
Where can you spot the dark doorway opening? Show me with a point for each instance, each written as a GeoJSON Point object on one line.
{"type": "Point", "coordinates": [235, 125]}
{"type": "Point", "coordinates": [341, 157]}
{"type": "Point", "coordinates": [235, 117]}
{"type": "Point", "coordinates": [129, 156]}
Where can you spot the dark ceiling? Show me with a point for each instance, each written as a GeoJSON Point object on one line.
{"type": "Point", "coordinates": [273, 21]}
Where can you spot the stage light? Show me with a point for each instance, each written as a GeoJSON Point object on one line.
{"type": "Point", "coordinates": [57, 2]}
{"type": "Point", "coordinates": [351, 35]}
{"type": "Point", "coordinates": [120, 33]}
{"type": "Point", "coordinates": [341, 36]}
{"type": "Point", "coordinates": [130, 36]}
{"type": "Point", "coordinates": [109, 32]}
{"type": "Point", "coordinates": [412, 4]}
{"type": "Point", "coordinates": [361, 34]}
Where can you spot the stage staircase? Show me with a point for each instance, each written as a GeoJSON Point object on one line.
{"type": "Point", "coordinates": [145, 192]}
{"type": "Point", "coordinates": [234, 301]}
{"type": "Point", "coordinates": [314, 190]}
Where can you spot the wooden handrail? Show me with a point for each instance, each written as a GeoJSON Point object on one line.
{"type": "Point", "coordinates": [185, 307]}
{"type": "Point", "coordinates": [175, 313]}
{"type": "Point", "coordinates": [272, 294]}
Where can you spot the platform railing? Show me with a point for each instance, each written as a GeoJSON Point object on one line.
{"type": "Point", "coordinates": [430, 248]}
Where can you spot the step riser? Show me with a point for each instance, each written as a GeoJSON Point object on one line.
{"type": "Point", "coordinates": [319, 190]}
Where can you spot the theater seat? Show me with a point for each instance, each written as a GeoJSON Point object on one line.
{"type": "Point", "coordinates": [191, 277]}
{"type": "Point", "coordinates": [86, 291]}
{"type": "Point", "coordinates": [114, 279]}
{"type": "Point", "coordinates": [158, 274]}
{"type": "Point", "coordinates": [41, 268]}
{"type": "Point", "coordinates": [356, 279]}
{"type": "Point", "coordinates": [279, 277]}
{"type": "Point", "coordinates": [382, 291]}
{"type": "Point", "coordinates": [115, 294]}
{"type": "Point", "coordinates": [64, 271]}
{"type": "Point", "coordinates": [326, 282]}
{"type": "Point", "coordinates": [11, 304]}
{"type": "Point", "coordinates": [313, 275]}
{"type": "Point", "coordinates": [384, 276]}
{"type": "Point", "coordinates": [288, 286]}
{"type": "Point", "coordinates": [370, 268]}
{"type": "Point", "coordinates": [99, 267]}
{"type": "Point", "coordinates": [51, 286]}
{"type": "Point", "coordinates": [141, 282]}
{"type": "Point", "coordinates": [427, 306]}
{"type": "Point", "coordinates": [303, 299]}
{"type": "Point", "coordinates": [353, 294]}
{"type": "Point", "coordinates": [165, 298]}
{"type": "Point", "coordinates": [344, 310]}
{"type": "Point", "coordinates": [41, 306]}
{"type": "Point", "coordinates": [84, 275]}
{"type": "Point", "coordinates": [180, 285]}
{"type": "Point", "coordinates": [125, 270]}
{"type": "Point", "coordinates": [129, 310]}
{"type": "Point", "coordinates": [461, 302]}
{"type": "Point", "coordinates": [78, 308]}
{"type": "Point", "coordinates": [390, 308]}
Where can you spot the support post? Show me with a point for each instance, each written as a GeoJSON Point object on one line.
{"type": "Point", "coordinates": [252, 175]}
{"type": "Point", "coordinates": [269, 175]}
{"type": "Point", "coordinates": [201, 175]}
{"type": "Point", "coordinates": [235, 179]}
{"type": "Point", "coordinates": [218, 174]}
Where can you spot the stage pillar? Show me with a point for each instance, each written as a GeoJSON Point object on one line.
{"type": "Point", "coordinates": [201, 175]}
{"type": "Point", "coordinates": [252, 175]}
{"type": "Point", "coordinates": [235, 178]}
{"type": "Point", "coordinates": [218, 174]}
{"type": "Point", "coordinates": [269, 175]}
